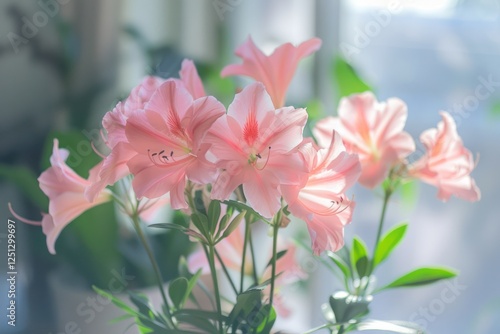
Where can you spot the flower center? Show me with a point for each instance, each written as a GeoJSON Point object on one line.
{"type": "Point", "coordinates": [254, 158]}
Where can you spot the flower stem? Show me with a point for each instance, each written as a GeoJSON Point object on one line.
{"type": "Point", "coordinates": [244, 255]}
{"type": "Point", "coordinates": [156, 269]}
{"type": "Point", "coordinates": [254, 266]}
{"type": "Point", "coordinates": [211, 260]}
{"type": "Point", "coordinates": [388, 190]}
{"type": "Point", "coordinates": [226, 271]}
{"type": "Point", "coordinates": [275, 246]}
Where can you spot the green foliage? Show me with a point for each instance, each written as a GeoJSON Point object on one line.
{"type": "Point", "coordinates": [233, 225]}
{"type": "Point", "coordinates": [347, 79]}
{"type": "Point", "coordinates": [315, 109]}
{"type": "Point", "coordinates": [402, 327]}
{"type": "Point", "coordinates": [178, 291]}
{"type": "Point", "coordinates": [27, 183]}
{"type": "Point", "coordinates": [279, 255]}
{"type": "Point", "coordinates": [346, 307]}
{"type": "Point", "coordinates": [389, 242]}
{"type": "Point", "coordinates": [409, 193]}
{"type": "Point", "coordinates": [421, 276]}
{"type": "Point", "coordinates": [359, 257]}
{"type": "Point", "coordinates": [249, 314]}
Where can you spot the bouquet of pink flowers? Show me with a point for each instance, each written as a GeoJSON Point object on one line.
{"type": "Point", "coordinates": [232, 172]}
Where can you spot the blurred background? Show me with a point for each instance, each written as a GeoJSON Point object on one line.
{"type": "Point", "coordinates": [64, 63]}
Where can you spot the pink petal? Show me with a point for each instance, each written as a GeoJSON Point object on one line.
{"type": "Point", "coordinates": [191, 80]}
{"type": "Point", "coordinates": [111, 169]}
{"type": "Point", "coordinates": [261, 192]}
{"type": "Point", "coordinates": [275, 71]}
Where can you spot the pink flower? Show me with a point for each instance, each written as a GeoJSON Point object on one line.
{"type": "Point", "coordinates": [372, 130]}
{"type": "Point", "coordinates": [274, 71]}
{"type": "Point", "coordinates": [254, 145]}
{"type": "Point", "coordinates": [114, 167]}
{"type": "Point", "coordinates": [65, 190]}
{"type": "Point", "coordinates": [320, 201]}
{"type": "Point", "coordinates": [168, 142]}
{"type": "Point", "coordinates": [447, 164]}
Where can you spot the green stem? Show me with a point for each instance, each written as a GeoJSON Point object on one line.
{"type": "Point", "coordinates": [315, 329]}
{"type": "Point", "coordinates": [211, 260]}
{"type": "Point", "coordinates": [275, 246]}
{"type": "Point", "coordinates": [244, 256]}
{"type": "Point", "coordinates": [156, 269]}
{"type": "Point", "coordinates": [226, 271]}
{"type": "Point", "coordinates": [254, 266]}
{"type": "Point", "coordinates": [387, 194]}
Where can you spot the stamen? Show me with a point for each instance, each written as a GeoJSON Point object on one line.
{"type": "Point", "coordinates": [159, 158]}
{"type": "Point", "coordinates": [96, 151]}
{"type": "Point", "coordinates": [24, 220]}
{"type": "Point", "coordinates": [267, 160]}
{"type": "Point", "coordinates": [336, 207]}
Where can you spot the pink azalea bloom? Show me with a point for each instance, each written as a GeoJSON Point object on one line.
{"type": "Point", "coordinates": [65, 190]}
{"type": "Point", "coordinates": [371, 129]}
{"type": "Point", "coordinates": [274, 71]}
{"type": "Point", "coordinates": [168, 141]}
{"type": "Point", "coordinates": [447, 164]}
{"type": "Point", "coordinates": [254, 145]}
{"type": "Point", "coordinates": [114, 166]}
{"type": "Point", "coordinates": [320, 201]}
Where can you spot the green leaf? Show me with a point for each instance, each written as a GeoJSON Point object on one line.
{"type": "Point", "coordinates": [243, 207]}
{"type": "Point", "coordinates": [344, 267]}
{"type": "Point", "coordinates": [346, 79]}
{"type": "Point", "coordinates": [402, 327]}
{"type": "Point", "coordinates": [142, 303]}
{"type": "Point", "coordinates": [197, 321]}
{"type": "Point", "coordinates": [213, 215]}
{"type": "Point", "coordinates": [177, 291]}
{"type": "Point", "coordinates": [359, 257]}
{"type": "Point", "coordinates": [315, 109]}
{"type": "Point", "coordinates": [269, 317]}
{"type": "Point", "coordinates": [389, 241]}
{"type": "Point", "coordinates": [279, 255]}
{"type": "Point", "coordinates": [495, 110]}
{"type": "Point", "coordinates": [234, 224]}
{"type": "Point", "coordinates": [246, 302]}
{"type": "Point", "coordinates": [27, 183]}
{"type": "Point", "coordinates": [409, 194]}
{"type": "Point", "coordinates": [121, 318]}
{"type": "Point", "coordinates": [421, 276]}
{"type": "Point", "coordinates": [346, 307]}
{"type": "Point", "coordinates": [118, 302]}
{"type": "Point", "coordinates": [191, 284]}
{"type": "Point", "coordinates": [223, 223]}
{"type": "Point", "coordinates": [201, 222]}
